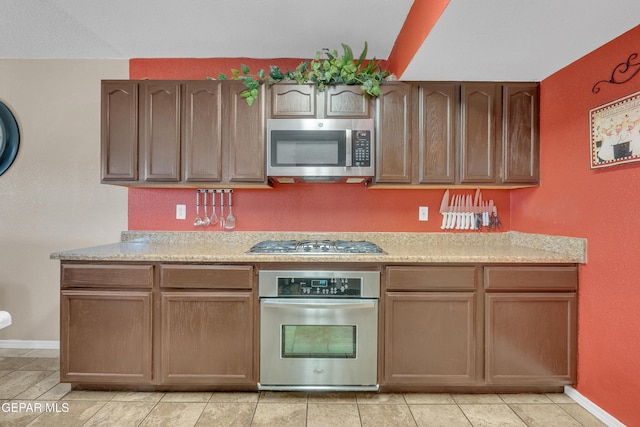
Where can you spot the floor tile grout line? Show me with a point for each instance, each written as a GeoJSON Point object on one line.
{"type": "Point", "coordinates": [261, 396]}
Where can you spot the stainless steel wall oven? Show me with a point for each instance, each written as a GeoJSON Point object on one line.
{"type": "Point", "coordinates": [318, 330]}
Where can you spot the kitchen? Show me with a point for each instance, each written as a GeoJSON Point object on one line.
{"type": "Point", "coordinates": [95, 214]}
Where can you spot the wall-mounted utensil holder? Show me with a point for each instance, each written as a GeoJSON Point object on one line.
{"type": "Point", "coordinates": [213, 209]}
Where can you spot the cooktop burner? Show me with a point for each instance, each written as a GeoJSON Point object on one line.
{"type": "Point", "coordinates": [315, 247]}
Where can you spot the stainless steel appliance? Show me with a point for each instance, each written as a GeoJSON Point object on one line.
{"type": "Point", "coordinates": [315, 247]}
{"type": "Point", "coordinates": [318, 330]}
{"type": "Point", "coordinates": [320, 150]}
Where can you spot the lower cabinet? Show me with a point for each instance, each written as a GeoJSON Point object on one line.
{"type": "Point", "coordinates": [106, 324]}
{"type": "Point", "coordinates": [158, 325]}
{"type": "Point", "coordinates": [515, 330]}
{"type": "Point", "coordinates": [193, 326]}
{"type": "Point", "coordinates": [531, 338]}
{"type": "Point", "coordinates": [106, 336]}
{"type": "Point", "coordinates": [207, 338]}
{"type": "Point", "coordinates": [430, 327]}
{"type": "Point", "coordinates": [207, 325]}
{"type": "Point", "coordinates": [531, 325]}
{"type": "Point", "coordinates": [430, 338]}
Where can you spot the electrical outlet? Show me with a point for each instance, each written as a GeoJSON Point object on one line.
{"type": "Point", "coordinates": [181, 211]}
{"type": "Point", "coordinates": [423, 213]}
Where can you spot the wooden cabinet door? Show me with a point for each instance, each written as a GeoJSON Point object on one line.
{"type": "Point", "coordinates": [530, 338]}
{"type": "Point", "coordinates": [346, 101]}
{"type": "Point", "coordinates": [393, 134]}
{"type": "Point", "coordinates": [520, 135]}
{"type": "Point", "coordinates": [478, 111]}
{"type": "Point", "coordinates": [290, 100]}
{"type": "Point", "coordinates": [202, 128]}
{"type": "Point", "coordinates": [105, 336]}
{"type": "Point", "coordinates": [434, 139]}
{"type": "Point", "coordinates": [430, 338]}
{"type": "Point", "coordinates": [207, 338]}
{"type": "Point", "coordinates": [119, 134]}
{"type": "Point", "coordinates": [160, 130]}
{"type": "Point", "coordinates": [245, 136]}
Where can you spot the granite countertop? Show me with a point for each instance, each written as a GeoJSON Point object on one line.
{"type": "Point", "coordinates": [399, 247]}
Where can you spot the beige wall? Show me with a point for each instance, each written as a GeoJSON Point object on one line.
{"type": "Point", "coordinates": [51, 198]}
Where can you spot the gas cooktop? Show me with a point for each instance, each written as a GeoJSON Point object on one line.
{"type": "Point", "coordinates": [315, 247]}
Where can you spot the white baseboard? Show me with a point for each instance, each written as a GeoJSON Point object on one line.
{"type": "Point", "coordinates": [594, 409]}
{"type": "Point", "coordinates": [47, 345]}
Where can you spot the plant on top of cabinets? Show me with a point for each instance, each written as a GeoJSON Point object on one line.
{"type": "Point", "coordinates": [332, 70]}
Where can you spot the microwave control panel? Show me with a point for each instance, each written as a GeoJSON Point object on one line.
{"type": "Point", "coordinates": [361, 148]}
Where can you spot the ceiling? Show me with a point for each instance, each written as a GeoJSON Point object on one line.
{"type": "Point", "coordinates": [473, 40]}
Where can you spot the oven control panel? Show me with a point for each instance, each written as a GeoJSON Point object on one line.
{"type": "Point", "coordinates": [324, 287]}
{"type": "Point", "coordinates": [318, 284]}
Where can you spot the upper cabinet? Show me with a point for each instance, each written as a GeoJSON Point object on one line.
{"type": "Point", "coordinates": [520, 137]}
{"type": "Point", "coordinates": [346, 101]}
{"type": "Point", "coordinates": [245, 135]}
{"type": "Point", "coordinates": [291, 100]}
{"type": "Point", "coordinates": [181, 132]}
{"type": "Point", "coordinates": [434, 131]}
{"type": "Point", "coordinates": [468, 134]}
{"type": "Point", "coordinates": [197, 133]}
{"type": "Point", "coordinates": [160, 136]}
{"type": "Point", "coordinates": [119, 134]}
{"type": "Point", "coordinates": [479, 109]}
{"type": "Point", "coordinates": [202, 132]}
{"type": "Point", "coordinates": [393, 134]}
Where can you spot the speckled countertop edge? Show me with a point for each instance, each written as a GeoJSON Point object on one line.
{"type": "Point", "coordinates": [400, 247]}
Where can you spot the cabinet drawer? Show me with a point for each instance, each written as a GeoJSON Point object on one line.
{"type": "Point", "coordinates": [207, 276]}
{"type": "Point", "coordinates": [543, 278]}
{"type": "Point", "coordinates": [106, 276]}
{"type": "Point", "coordinates": [430, 278]}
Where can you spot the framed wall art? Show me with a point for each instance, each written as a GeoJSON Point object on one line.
{"type": "Point", "coordinates": [9, 138]}
{"type": "Point", "coordinates": [615, 132]}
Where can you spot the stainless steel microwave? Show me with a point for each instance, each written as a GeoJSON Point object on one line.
{"type": "Point", "coordinates": [320, 150]}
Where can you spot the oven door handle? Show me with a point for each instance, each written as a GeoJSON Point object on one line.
{"type": "Point", "coordinates": [368, 304]}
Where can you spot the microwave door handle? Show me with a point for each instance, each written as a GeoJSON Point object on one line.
{"type": "Point", "coordinates": [311, 304]}
{"type": "Point", "coordinates": [348, 160]}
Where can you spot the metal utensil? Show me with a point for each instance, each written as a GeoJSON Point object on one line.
{"type": "Point", "coordinates": [198, 221]}
{"type": "Point", "coordinates": [230, 222]}
{"type": "Point", "coordinates": [494, 221]}
{"type": "Point", "coordinates": [475, 220]}
{"type": "Point", "coordinates": [205, 221]}
{"type": "Point", "coordinates": [214, 218]}
{"type": "Point", "coordinates": [444, 209]}
{"type": "Point", "coordinates": [221, 208]}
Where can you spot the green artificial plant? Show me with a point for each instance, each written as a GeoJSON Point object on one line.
{"type": "Point", "coordinates": [328, 68]}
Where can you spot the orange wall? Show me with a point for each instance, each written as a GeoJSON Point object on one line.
{"type": "Point", "coordinates": [304, 207]}
{"type": "Point", "coordinates": [603, 206]}
{"type": "Point", "coordinates": [297, 207]}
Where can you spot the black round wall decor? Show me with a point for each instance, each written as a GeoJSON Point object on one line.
{"type": "Point", "coordinates": [9, 138]}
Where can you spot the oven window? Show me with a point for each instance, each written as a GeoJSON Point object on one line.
{"type": "Point", "coordinates": [319, 341]}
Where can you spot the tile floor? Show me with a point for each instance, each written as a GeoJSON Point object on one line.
{"type": "Point", "coordinates": [31, 395]}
